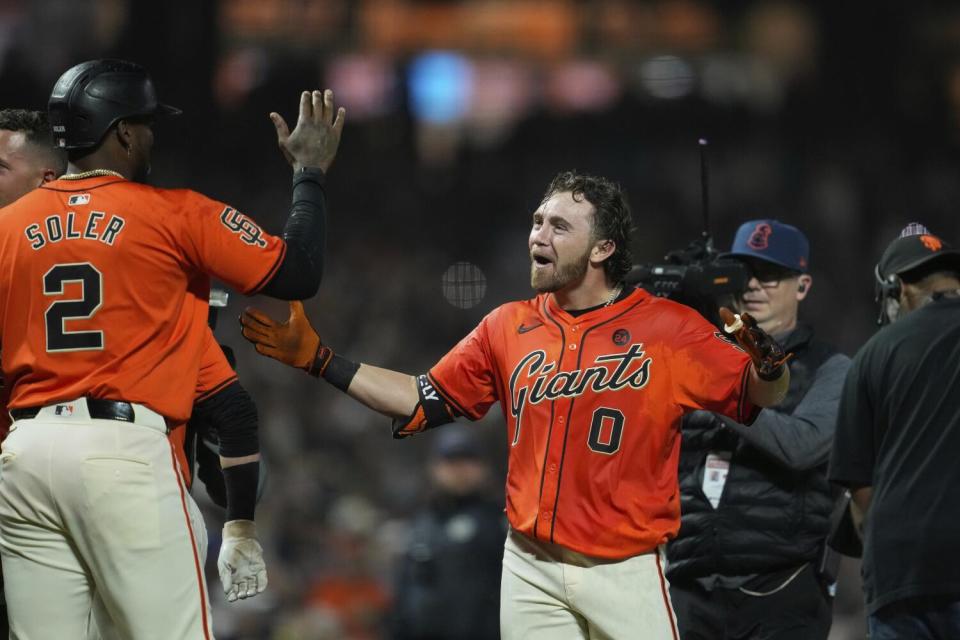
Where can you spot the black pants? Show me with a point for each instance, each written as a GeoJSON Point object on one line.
{"type": "Point", "coordinates": [799, 611]}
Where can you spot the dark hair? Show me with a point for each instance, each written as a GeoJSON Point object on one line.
{"type": "Point", "coordinates": [611, 221]}
{"type": "Point", "coordinates": [36, 127]}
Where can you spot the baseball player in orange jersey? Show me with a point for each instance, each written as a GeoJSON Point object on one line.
{"type": "Point", "coordinates": [28, 159]}
{"type": "Point", "coordinates": [102, 332]}
{"type": "Point", "coordinates": [593, 379]}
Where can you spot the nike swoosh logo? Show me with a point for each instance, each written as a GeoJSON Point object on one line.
{"type": "Point", "coordinates": [524, 328]}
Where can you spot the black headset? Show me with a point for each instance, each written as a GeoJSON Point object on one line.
{"type": "Point", "coordinates": [885, 288]}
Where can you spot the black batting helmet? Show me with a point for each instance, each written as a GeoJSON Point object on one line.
{"type": "Point", "coordinates": [91, 97]}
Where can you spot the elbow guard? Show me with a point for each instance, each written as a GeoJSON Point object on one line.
{"type": "Point", "coordinates": [431, 411]}
{"type": "Point", "coordinates": [232, 416]}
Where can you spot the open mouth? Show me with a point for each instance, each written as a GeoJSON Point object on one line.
{"type": "Point", "coordinates": [541, 261]}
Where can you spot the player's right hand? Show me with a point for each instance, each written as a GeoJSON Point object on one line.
{"type": "Point", "coordinates": [294, 342]}
{"type": "Point", "coordinates": [314, 141]}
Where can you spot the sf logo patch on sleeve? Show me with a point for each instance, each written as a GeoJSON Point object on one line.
{"type": "Point", "coordinates": [240, 224]}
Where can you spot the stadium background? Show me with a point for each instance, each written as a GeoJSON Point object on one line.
{"type": "Point", "coordinates": [841, 118]}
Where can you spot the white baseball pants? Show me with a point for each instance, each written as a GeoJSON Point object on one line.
{"type": "Point", "coordinates": [549, 592]}
{"type": "Point", "coordinates": [97, 509]}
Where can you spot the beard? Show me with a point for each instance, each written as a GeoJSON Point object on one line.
{"type": "Point", "coordinates": [560, 276]}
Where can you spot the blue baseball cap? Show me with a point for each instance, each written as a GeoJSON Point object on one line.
{"type": "Point", "coordinates": [772, 241]}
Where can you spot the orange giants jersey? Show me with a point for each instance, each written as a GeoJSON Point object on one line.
{"type": "Point", "coordinates": [593, 406]}
{"type": "Point", "coordinates": [103, 289]}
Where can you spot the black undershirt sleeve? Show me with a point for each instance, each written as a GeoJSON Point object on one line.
{"type": "Point", "coordinates": [233, 415]}
{"type": "Point", "coordinates": [305, 234]}
{"type": "Point", "coordinates": [241, 483]}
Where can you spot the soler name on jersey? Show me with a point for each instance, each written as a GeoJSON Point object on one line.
{"type": "Point", "coordinates": [93, 225]}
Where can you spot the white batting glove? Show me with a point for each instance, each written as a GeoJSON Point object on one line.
{"type": "Point", "coordinates": [240, 563]}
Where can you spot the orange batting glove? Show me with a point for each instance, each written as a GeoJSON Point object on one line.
{"type": "Point", "coordinates": [294, 342]}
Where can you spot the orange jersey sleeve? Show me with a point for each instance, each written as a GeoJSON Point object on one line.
{"type": "Point", "coordinates": [103, 288]}
{"type": "Point", "coordinates": [223, 242]}
{"type": "Point", "coordinates": [465, 376]}
{"type": "Point", "coordinates": [711, 371]}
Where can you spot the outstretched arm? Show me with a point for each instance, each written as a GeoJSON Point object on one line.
{"type": "Point", "coordinates": [297, 344]}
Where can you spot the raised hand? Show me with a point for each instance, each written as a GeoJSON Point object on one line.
{"type": "Point", "coordinates": [315, 139]}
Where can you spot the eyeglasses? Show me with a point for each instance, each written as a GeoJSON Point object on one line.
{"type": "Point", "coordinates": [769, 275]}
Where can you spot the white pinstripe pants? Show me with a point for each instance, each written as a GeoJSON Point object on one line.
{"type": "Point", "coordinates": [549, 592]}
{"type": "Point", "coordinates": [96, 508]}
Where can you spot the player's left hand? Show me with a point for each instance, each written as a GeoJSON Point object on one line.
{"type": "Point", "coordinates": [766, 353]}
{"type": "Point", "coordinates": [294, 342]}
{"type": "Point", "coordinates": [240, 563]}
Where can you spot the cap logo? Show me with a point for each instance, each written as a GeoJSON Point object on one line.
{"type": "Point", "coordinates": [931, 242]}
{"type": "Point", "coordinates": [760, 237]}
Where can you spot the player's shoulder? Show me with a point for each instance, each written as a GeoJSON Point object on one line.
{"type": "Point", "coordinates": [644, 303]}
{"type": "Point", "coordinates": [186, 201]}
{"type": "Point", "coordinates": [516, 309]}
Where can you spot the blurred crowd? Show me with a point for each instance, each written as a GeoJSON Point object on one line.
{"type": "Point", "coordinates": [855, 133]}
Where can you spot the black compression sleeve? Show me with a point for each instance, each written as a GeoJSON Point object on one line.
{"type": "Point", "coordinates": [241, 482]}
{"type": "Point", "coordinates": [233, 414]}
{"type": "Point", "coordinates": [305, 234]}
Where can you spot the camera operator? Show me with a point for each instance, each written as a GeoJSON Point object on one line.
{"type": "Point", "coordinates": [755, 500]}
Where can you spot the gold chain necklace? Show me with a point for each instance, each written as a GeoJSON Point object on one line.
{"type": "Point", "coordinates": [90, 174]}
{"type": "Point", "coordinates": [613, 295]}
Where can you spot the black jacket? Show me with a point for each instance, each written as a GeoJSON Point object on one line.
{"type": "Point", "coordinates": [775, 507]}
{"type": "Point", "coordinates": [448, 584]}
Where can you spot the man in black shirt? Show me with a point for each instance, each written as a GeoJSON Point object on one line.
{"type": "Point", "coordinates": [755, 499]}
{"type": "Point", "coordinates": [448, 580]}
{"type": "Point", "coordinates": [897, 438]}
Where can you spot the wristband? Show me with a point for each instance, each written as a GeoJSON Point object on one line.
{"type": "Point", "coordinates": [340, 372]}
{"type": "Point", "coordinates": [320, 361]}
{"type": "Point", "coordinates": [770, 376]}
{"type": "Point", "coordinates": [312, 174]}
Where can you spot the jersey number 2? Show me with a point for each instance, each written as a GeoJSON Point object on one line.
{"type": "Point", "coordinates": [91, 287]}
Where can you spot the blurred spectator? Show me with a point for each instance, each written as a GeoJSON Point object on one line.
{"type": "Point", "coordinates": [448, 580]}
{"type": "Point", "coordinates": [897, 436]}
{"type": "Point", "coordinates": [755, 500]}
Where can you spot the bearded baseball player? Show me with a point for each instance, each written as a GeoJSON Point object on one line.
{"type": "Point", "coordinates": [103, 334]}
{"type": "Point", "coordinates": [593, 379]}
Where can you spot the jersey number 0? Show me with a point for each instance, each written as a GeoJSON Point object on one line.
{"type": "Point", "coordinates": [58, 313]}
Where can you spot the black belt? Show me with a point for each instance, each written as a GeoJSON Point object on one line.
{"type": "Point", "coordinates": [98, 410]}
